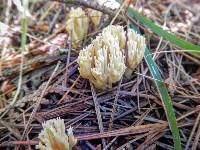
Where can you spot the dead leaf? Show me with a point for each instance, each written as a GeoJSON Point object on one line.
{"type": "Point", "coordinates": [7, 88]}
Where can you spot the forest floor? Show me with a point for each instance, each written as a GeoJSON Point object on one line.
{"type": "Point", "coordinates": [52, 87]}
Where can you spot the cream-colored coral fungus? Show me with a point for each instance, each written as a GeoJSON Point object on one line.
{"type": "Point", "coordinates": [95, 16]}
{"type": "Point", "coordinates": [136, 46]}
{"type": "Point", "coordinates": [77, 25]}
{"type": "Point", "coordinates": [53, 137]}
{"type": "Point", "coordinates": [104, 62]}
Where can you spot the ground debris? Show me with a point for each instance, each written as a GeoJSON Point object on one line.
{"type": "Point", "coordinates": [130, 114]}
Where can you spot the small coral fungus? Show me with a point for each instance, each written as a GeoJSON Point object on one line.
{"type": "Point", "coordinates": [77, 25]}
{"type": "Point", "coordinates": [53, 137]}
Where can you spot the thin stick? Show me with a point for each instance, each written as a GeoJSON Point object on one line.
{"type": "Point", "coordinates": [65, 95]}
{"type": "Point", "coordinates": [192, 132]}
{"type": "Point", "coordinates": [196, 140]}
{"type": "Point", "coordinates": [39, 100]}
{"type": "Point", "coordinates": [114, 105]}
{"type": "Point", "coordinates": [68, 60]}
{"type": "Point", "coordinates": [117, 14]}
{"type": "Point", "coordinates": [93, 5]}
{"type": "Point", "coordinates": [98, 113]}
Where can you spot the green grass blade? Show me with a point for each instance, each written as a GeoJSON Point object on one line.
{"type": "Point", "coordinates": [163, 92]}
{"type": "Point", "coordinates": [166, 35]}
{"type": "Point", "coordinates": [22, 48]}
